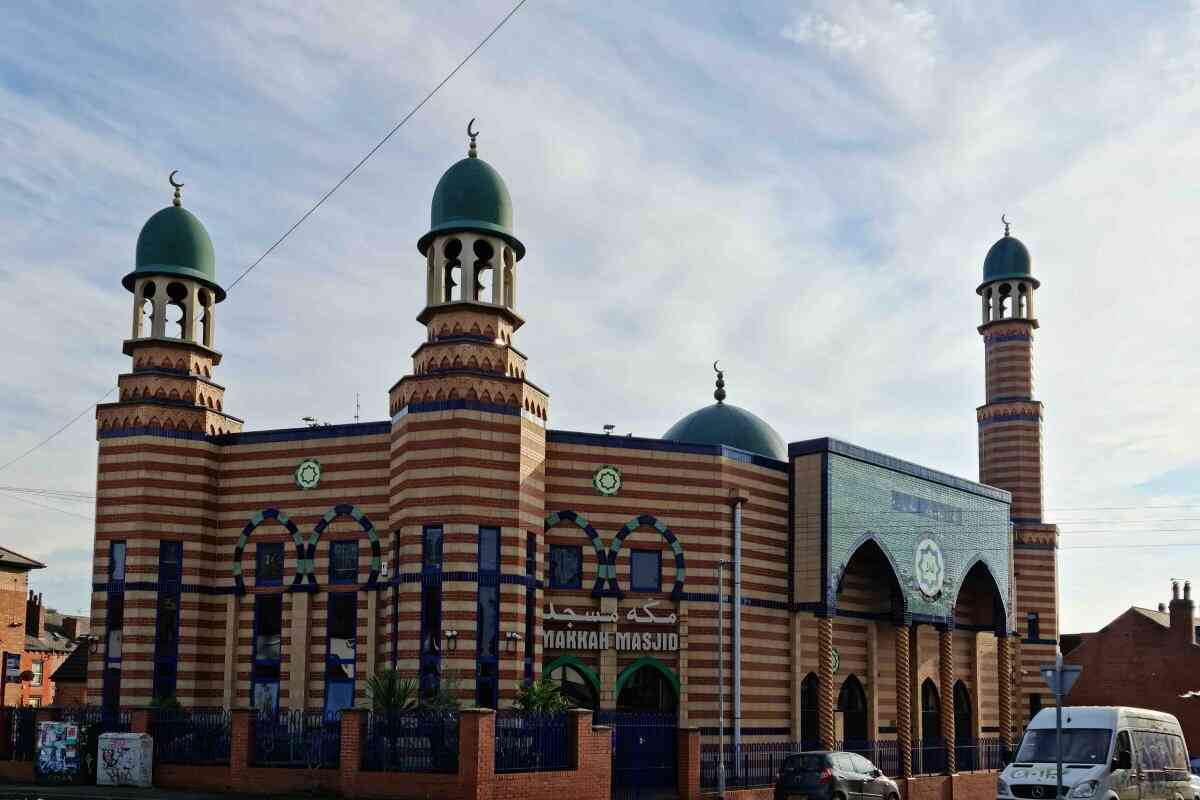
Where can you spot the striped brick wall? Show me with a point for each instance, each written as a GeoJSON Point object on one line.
{"type": "Point", "coordinates": [1008, 353]}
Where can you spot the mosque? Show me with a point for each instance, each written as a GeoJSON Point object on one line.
{"type": "Point", "coordinates": [823, 591]}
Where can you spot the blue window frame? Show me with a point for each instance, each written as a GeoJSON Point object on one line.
{"type": "Point", "coordinates": [566, 566]}
{"type": "Point", "coordinates": [166, 628]}
{"type": "Point", "coordinates": [487, 644]}
{"type": "Point", "coordinates": [268, 564]}
{"type": "Point", "coordinates": [429, 676]}
{"type": "Point", "coordinates": [268, 647]}
{"type": "Point", "coordinates": [530, 601]}
{"type": "Point", "coordinates": [343, 562]}
{"type": "Point", "coordinates": [645, 571]}
{"type": "Point", "coordinates": [114, 625]}
{"type": "Point", "coordinates": [340, 651]}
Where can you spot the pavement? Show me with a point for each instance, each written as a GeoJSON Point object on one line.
{"type": "Point", "coordinates": [17, 791]}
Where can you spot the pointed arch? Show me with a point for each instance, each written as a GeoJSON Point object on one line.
{"type": "Point", "coordinates": [646, 661]}
{"type": "Point", "coordinates": [580, 521]}
{"type": "Point", "coordinates": [999, 601]}
{"type": "Point", "coordinates": [852, 705]}
{"type": "Point", "coordinates": [810, 698]}
{"type": "Point", "coordinates": [571, 662]}
{"type": "Point", "coordinates": [931, 711]}
{"type": "Point", "coordinates": [344, 510]}
{"type": "Point", "coordinates": [252, 525]}
{"type": "Point", "coordinates": [873, 543]}
{"type": "Point", "coordinates": [629, 527]}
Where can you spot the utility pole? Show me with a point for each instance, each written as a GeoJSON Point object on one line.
{"type": "Point", "coordinates": [1060, 679]}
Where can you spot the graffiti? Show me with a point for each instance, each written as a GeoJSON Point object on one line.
{"type": "Point", "coordinates": [57, 752]}
{"type": "Point", "coordinates": [124, 760]}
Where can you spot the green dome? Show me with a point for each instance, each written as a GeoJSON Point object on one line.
{"type": "Point", "coordinates": [471, 196]}
{"type": "Point", "coordinates": [1008, 258]}
{"type": "Point", "coordinates": [731, 426]}
{"type": "Point", "coordinates": [174, 242]}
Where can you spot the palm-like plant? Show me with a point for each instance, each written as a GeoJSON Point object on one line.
{"type": "Point", "coordinates": [389, 692]}
{"type": "Point", "coordinates": [542, 696]}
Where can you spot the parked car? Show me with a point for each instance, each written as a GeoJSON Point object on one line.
{"type": "Point", "coordinates": [821, 775]}
{"type": "Point", "coordinates": [1195, 786]}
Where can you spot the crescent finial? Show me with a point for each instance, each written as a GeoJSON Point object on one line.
{"type": "Point", "coordinates": [719, 394]}
{"type": "Point", "coordinates": [1004, 219]}
{"type": "Point", "coordinates": [716, 367]}
{"type": "Point", "coordinates": [177, 201]}
{"type": "Point", "coordinates": [472, 134]}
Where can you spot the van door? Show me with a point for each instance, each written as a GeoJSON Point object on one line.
{"type": "Point", "coordinates": [1124, 781]}
{"type": "Point", "coordinates": [1152, 758]}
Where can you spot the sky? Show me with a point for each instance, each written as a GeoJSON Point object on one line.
{"type": "Point", "coordinates": [805, 191]}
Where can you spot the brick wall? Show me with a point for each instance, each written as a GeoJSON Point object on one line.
{"type": "Point", "coordinates": [14, 588]}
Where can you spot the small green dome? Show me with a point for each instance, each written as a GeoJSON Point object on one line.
{"type": "Point", "coordinates": [174, 242]}
{"type": "Point", "coordinates": [1008, 258]}
{"type": "Point", "coordinates": [731, 426]}
{"type": "Point", "coordinates": [471, 196]}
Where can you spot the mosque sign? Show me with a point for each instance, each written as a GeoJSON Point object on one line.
{"type": "Point", "coordinates": [640, 640]}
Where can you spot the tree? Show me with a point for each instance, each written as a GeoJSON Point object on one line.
{"type": "Point", "coordinates": [391, 693]}
{"type": "Point", "coordinates": [542, 696]}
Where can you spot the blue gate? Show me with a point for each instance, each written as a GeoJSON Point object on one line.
{"type": "Point", "coordinates": [644, 753]}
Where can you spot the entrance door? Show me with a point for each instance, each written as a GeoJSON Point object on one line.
{"type": "Point", "coordinates": [644, 734]}
{"type": "Point", "coordinates": [964, 728]}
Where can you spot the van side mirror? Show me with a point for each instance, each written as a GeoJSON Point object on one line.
{"type": "Point", "coordinates": [1123, 760]}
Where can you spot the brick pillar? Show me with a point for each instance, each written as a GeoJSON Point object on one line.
{"type": "Point", "coordinates": [139, 720]}
{"type": "Point", "coordinates": [354, 721]}
{"type": "Point", "coordinates": [687, 779]}
{"type": "Point", "coordinates": [241, 744]}
{"type": "Point", "coordinates": [904, 707]}
{"type": "Point", "coordinates": [477, 753]}
{"type": "Point", "coordinates": [825, 700]}
{"type": "Point", "coordinates": [946, 674]}
{"type": "Point", "coordinates": [1004, 672]}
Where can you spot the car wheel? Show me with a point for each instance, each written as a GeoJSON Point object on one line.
{"type": "Point", "coordinates": [897, 797]}
{"type": "Point", "coordinates": [839, 796]}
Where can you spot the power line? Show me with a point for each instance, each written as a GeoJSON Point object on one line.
{"type": "Point", "coordinates": [52, 508]}
{"type": "Point", "coordinates": [380, 144]}
{"type": "Point", "coordinates": [308, 213]}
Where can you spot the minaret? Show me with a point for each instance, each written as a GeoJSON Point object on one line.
{"type": "Point", "coordinates": [468, 451]}
{"type": "Point", "coordinates": [170, 387]}
{"type": "Point", "coordinates": [1010, 457]}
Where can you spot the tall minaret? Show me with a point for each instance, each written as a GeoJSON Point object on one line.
{"type": "Point", "coordinates": [1010, 458]}
{"type": "Point", "coordinates": [468, 453]}
{"type": "Point", "coordinates": [170, 387]}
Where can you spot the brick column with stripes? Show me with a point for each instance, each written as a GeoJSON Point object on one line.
{"type": "Point", "coordinates": [904, 709]}
{"type": "Point", "coordinates": [825, 699]}
{"type": "Point", "coordinates": [1004, 673]}
{"type": "Point", "coordinates": [946, 674]}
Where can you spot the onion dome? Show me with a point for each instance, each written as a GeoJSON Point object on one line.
{"type": "Point", "coordinates": [471, 196]}
{"type": "Point", "coordinates": [728, 425]}
{"type": "Point", "coordinates": [1008, 259]}
{"type": "Point", "coordinates": [174, 243]}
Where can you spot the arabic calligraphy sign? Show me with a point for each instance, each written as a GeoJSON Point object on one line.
{"type": "Point", "coordinates": [645, 641]}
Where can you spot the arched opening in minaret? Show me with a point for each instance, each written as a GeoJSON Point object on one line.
{"type": "Point", "coordinates": [1004, 302]}
{"type": "Point", "coordinates": [452, 268]}
{"type": "Point", "coordinates": [176, 312]}
{"type": "Point", "coordinates": [482, 291]}
{"type": "Point", "coordinates": [146, 312]}
{"type": "Point", "coordinates": [509, 286]}
{"type": "Point", "coordinates": [987, 306]}
{"type": "Point", "coordinates": [1022, 301]}
{"type": "Point", "coordinates": [205, 322]}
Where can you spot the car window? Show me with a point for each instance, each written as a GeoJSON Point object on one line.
{"type": "Point", "coordinates": [842, 762]}
{"type": "Point", "coordinates": [806, 762]}
{"type": "Point", "coordinates": [861, 764]}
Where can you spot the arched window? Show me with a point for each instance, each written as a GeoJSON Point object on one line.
{"type": "Point", "coordinates": [1005, 305]}
{"type": "Point", "coordinates": [177, 311]}
{"type": "Point", "coordinates": [204, 318]}
{"type": "Point", "coordinates": [647, 689]}
{"type": "Point", "coordinates": [852, 706]}
{"type": "Point", "coordinates": [575, 686]}
{"type": "Point", "coordinates": [452, 249]}
{"type": "Point", "coordinates": [809, 734]}
{"type": "Point", "coordinates": [964, 728]}
{"type": "Point", "coordinates": [146, 323]}
{"type": "Point", "coordinates": [483, 264]}
{"type": "Point", "coordinates": [931, 712]}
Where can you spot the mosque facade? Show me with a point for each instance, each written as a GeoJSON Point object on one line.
{"type": "Point", "coordinates": [825, 592]}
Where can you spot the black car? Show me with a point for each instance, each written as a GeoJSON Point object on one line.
{"type": "Point", "coordinates": [833, 776]}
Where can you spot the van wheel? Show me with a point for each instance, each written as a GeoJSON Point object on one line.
{"type": "Point", "coordinates": [897, 797]}
{"type": "Point", "coordinates": [839, 796]}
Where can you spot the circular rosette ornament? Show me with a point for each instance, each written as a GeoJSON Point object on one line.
{"type": "Point", "coordinates": [930, 568]}
{"type": "Point", "coordinates": [607, 480]}
{"type": "Point", "coordinates": [308, 474]}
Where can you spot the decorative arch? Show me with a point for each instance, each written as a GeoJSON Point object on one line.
{"type": "Point", "coordinates": [852, 704]}
{"type": "Point", "coordinates": [997, 595]}
{"type": "Point", "coordinates": [603, 569]}
{"type": "Point", "coordinates": [583, 669]}
{"type": "Point", "coordinates": [809, 700]}
{"type": "Point", "coordinates": [344, 510]}
{"type": "Point", "coordinates": [630, 527]}
{"type": "Point", "coordinates": [645, 661]}
{"type": "Point", "coordinates": [861, 542]}
{"type": "Point", "coordinates": [251, 526]}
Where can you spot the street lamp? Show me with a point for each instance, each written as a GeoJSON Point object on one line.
{"type": "Point", "coordinates": [451, 638]}
{"type": "Point", "coordinates": [510, 641]}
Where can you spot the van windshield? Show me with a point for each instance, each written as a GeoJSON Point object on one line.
{"type": "Point", "coordinates": [1079, 745]}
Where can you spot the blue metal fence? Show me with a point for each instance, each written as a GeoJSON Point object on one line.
{"type": "Point", "coordinates": [411, 741]}
{"type": "Point", "coordinates": [191, 736]}
{"type": "Point", "coordinates": [306, 739]}
{"type": "Point", "coordinates": [973, 755]}
{"type": "Point", "coordinates": [96, 718]}
{"type": "Point", "coordinates": [929, 757]}
{"type": "Point", "coordinates": [756, 764]}
{"type": "Point", "coordinates": [532, 742]}
{"type": "Point", "coordinates": [22, 734]}
{"type": "Point", "coordinates": [883, 753]}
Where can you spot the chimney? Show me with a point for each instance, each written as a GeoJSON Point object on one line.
{"type": "Point", "coordinates": [69, 627]}
{"type": "Point", "coordinates": [33, 614]}
{"type": "Point", "coordinates": [1183, 614]}
{"type": "Point", "coordinates": [1162, 608]}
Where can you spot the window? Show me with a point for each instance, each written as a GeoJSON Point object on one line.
{"type": "Point", "coordinates": [566, 566]}
{"type": "Point", "coordinates": [488, 620]}
{"type": "Point", "coordinates": [116, 622]}
{"type": "Point", "coordinates": [268, 632]}
{"type": "Point", "coordinates": [341, 651]}
{"type": "Point", "coordinates": [268, 567]}
{"type": "Point", "coordinates": [38, 666]}
{"type": "Point", "coordinates": [343, 562]}
{"type": "Point", "coordinates": [35, 702]}
{"type": "Point", "coordinates": [1032, 631]}
{"type": "Point", "coordinates": [166, 625]}
{"type": "Point", "coordinates": [645, 571]}
{"type": "Point", "coordinates": [530, 602]}
{"type": "Point", "coordinates": [431, 548]}
{"type": "Point", "coordinates": [116, 561]}
{"type": "Point", "coordinates": [1079, 745]}
{"type": "Point", "coordinates": [429, 677]}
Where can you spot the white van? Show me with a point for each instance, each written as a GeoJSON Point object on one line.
{"type": "Point", "coordinates": [1108, 754]}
